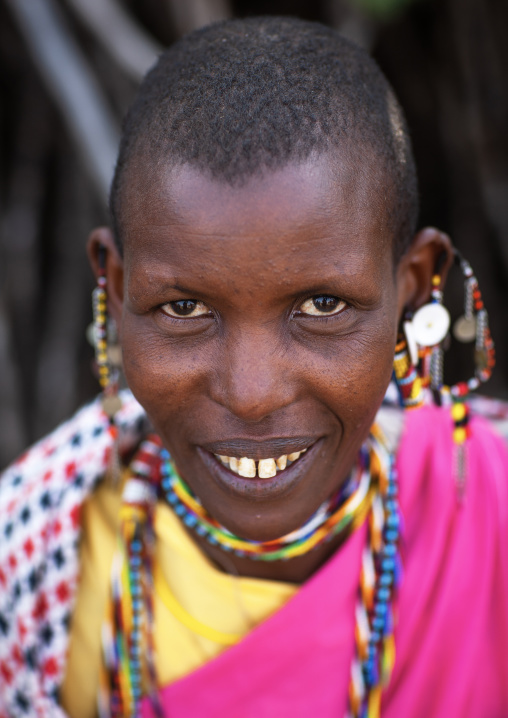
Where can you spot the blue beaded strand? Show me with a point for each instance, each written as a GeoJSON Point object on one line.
{"type": "Point", "coordinates": [136, 590]}
{"type": "Point", "coordinates": [388, 576]}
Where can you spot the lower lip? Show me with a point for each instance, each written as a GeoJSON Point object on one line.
{"type": "Point", "coordinates": [259, 489]}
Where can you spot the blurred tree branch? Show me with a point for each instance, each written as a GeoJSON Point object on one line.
{"type": "Point", "coordinates": [189, 15]}
{"type": "Point", "coordinates": [129, 45]}
{"type": "Point", "coordinates": [73, 86]}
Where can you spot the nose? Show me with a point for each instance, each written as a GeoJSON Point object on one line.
{"type": "Point", "coordinates": [254, 379]}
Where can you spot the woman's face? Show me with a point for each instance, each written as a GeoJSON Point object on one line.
{"type": "Point", "coordinates": [260, 321]}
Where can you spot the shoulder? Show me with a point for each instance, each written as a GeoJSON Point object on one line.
{"type": "Point", "coordinates": [41, 496]}
{"type": "Point", "coordinates": [428, 458]}
{"type": "Point", "coordinates": [423, 441]}
{"type": "Point", "coordinates": [52, 479]}
{"type": "Point", "coordinates": [492, 410]}
{"type": "Point", "coordinates": [455, 558]}
{"type": "Point", "coordinates": [73, 455]}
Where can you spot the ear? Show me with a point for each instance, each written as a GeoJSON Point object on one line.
{"type": "Point", "coordinates": [103, 237]}
{"type": "Point", "coordinates": [430, 251]}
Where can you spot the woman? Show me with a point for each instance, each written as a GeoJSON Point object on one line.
{"type": "Point", "coordinates": [240, 521]}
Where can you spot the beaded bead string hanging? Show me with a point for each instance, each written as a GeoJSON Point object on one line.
{"type": "Point", "coordinates": [473, 325]}
{"type": "Point", "coordinates": [379, 579]}
{"type": "Point", "coordinates": [128, 640]}
{"type": "Point", "coordinates": [130, 633]}
{"type": "Point", "coordinates": [408, 382]}
{"type": "Point", "coordinates": [429, 327]}
{"type": "Point", "coordinates": [108, 373]}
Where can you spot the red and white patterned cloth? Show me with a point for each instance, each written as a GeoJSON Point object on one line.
{"type": "Point", "coordinates": [40, 500]}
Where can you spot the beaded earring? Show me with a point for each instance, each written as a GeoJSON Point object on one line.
{"type": "Point", "coordinates": [428, 328]}
{"type": "Point", "coordinates": [407, 380]}
{"type": "Point", "coordinates": [430, 325]}
{"type": "Point", "coordinates": [106, 363]}
{"type": "Point", "coordinates": [473, 325]}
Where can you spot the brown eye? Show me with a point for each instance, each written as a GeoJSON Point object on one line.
{"type": "Point", "coordinates": [185, 308]}
{"type": "Point", "coordinates": [321, 305]}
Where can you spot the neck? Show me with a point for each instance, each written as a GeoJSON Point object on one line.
{"type": "Point", "coordinates": [293, 557]}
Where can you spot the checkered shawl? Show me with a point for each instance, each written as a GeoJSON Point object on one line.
{"type": "Point", "coordinates": [40, 500]}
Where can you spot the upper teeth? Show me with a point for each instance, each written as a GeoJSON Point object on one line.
{"type": "Point", "coordinates": [265, 469]}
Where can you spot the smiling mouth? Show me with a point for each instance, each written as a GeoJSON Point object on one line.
{"type": "Point", "coordinates": [253, 474]}
{"type": "Point", "coordinates": [262, 469]}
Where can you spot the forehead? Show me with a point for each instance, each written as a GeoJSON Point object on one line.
{"type": "Point", "coordinates": [299, 208]}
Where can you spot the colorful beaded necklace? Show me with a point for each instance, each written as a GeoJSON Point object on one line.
{"type": "Point", "coordinates": [343, 512]}
{"type": "Point", "coordinates": [129, 634]}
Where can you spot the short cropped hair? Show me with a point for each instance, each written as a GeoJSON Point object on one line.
{"type": "Point", "coordinates": [242, 96]}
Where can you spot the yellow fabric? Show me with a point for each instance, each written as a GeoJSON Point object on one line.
{"type": "Point", "coordinates": [199, 610]}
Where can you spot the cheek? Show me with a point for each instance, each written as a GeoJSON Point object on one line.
{"type": "Point", "coordinates": [162, 374]}
{"type": "Point", "coordinates": [352, 376]}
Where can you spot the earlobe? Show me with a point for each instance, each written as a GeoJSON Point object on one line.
{"type": "Point", "coordinates": [431, 252]}
{"type": "Point", "coordinates": [103, 237]}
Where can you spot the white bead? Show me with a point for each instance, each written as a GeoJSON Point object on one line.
{"type": "Point", "coordinates": [431, 324]}
{"type": "Point", "coordinates": [411, 342]}
{"type": "Point", "coordinates": [138, 492]}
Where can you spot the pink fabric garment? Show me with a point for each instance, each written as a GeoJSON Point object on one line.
{"type": "Point", "coordinates": [452, 632]}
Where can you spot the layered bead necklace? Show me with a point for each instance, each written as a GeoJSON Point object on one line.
{"type": "Point", "coordinates": [128, 637]}
{"type": "Point", "coordinates": [346, 509]}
